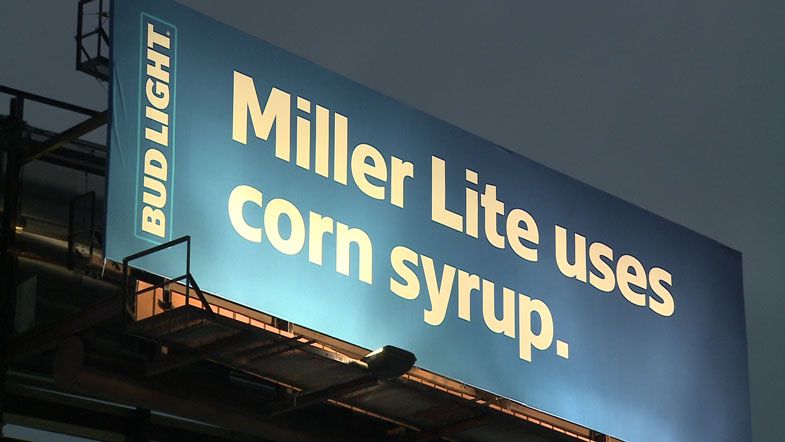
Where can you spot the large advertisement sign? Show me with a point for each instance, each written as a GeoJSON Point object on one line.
{"type": "Point", "coordinates": [317, 200]}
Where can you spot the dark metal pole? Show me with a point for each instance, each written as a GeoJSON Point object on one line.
{"type": "Point", "coordinates": [124, 294]}
{"type": "Point", "coordinates": [78, 37]}
{"type": "Point", "coordinates": [98, 26]}
{"type": "Point", "coordinates": [140, 430]}
{"type": "Point", "coordinates": [188, 272]}
{"type": "Point", "coordinates": [8, 240]}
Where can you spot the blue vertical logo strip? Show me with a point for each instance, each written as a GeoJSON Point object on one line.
{"type": "Point", "coordinates": [156, 129]}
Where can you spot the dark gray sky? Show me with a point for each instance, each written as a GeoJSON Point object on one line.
{"type": "Point", "coordinates": [676, 106]}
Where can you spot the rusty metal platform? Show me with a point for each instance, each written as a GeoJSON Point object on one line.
{"type": "Point", "coordinates": [301, 360]}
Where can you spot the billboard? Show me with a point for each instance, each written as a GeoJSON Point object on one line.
{"type": "Point", "coordinates": [317, 200]}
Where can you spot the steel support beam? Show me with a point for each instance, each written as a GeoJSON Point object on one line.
{"type": "Point", "coordinates": [272, 350]}
{"type": "Point", "coordinates": [36, 409]}
{"type": "Point", "coordinates": [46, 100]}
{"type": "Point", "coordinates": [66, 136]}
{"type": "Point", "coordinates": [186, 357]}
{"type": "Point", "coordinates": [304, 399]}
{"type": "Point", "coordinates": [8, 266]}
{"type": "Point", "coordinates": [212, 401]}
{"type": "Point", "coordinates": [50, 337]}
{"type": "Point", "coordinates": [453, 428]}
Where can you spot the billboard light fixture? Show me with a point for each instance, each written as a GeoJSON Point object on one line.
{"type": "Point", "coordinates": [389, 362]}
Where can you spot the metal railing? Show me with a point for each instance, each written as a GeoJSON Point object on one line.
{"type": "Point", "coordinates": [92, 61]}
{"type": "Point", "coordinates": [187, 279]}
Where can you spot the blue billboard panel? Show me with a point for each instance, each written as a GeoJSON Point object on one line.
{"type": "Point", "coordinates": [317, 200]}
